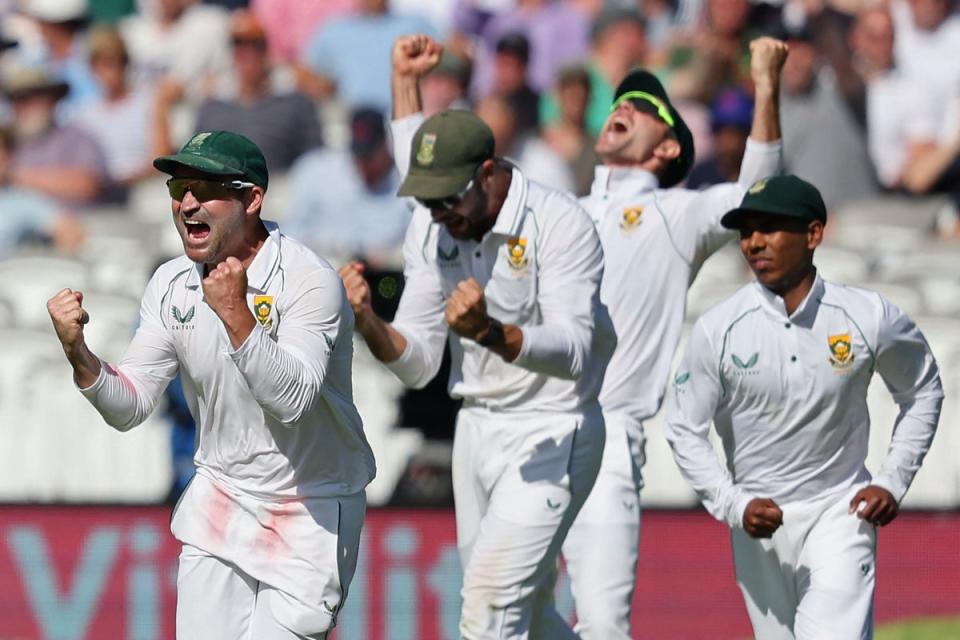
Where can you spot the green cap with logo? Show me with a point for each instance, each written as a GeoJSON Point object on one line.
{"type": "Point", "coordinates": [447, 149]}
{"type": "Point", "coordinates": [644, 90]}
{"type": "Point", "coordinates": [780, 196]}
{"type": "Point", "coordinates": [220, 153]}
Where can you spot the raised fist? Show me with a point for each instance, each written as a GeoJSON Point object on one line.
{"type": "Point", "coordinates": [467, 310]}
{"type": "Point", "coordinates": [358, 292]}
{"type": "Point", "coordinates": [68, 318]}
{"type": "Point", "coordinates": [767, 56]}
{"type": "Point", "coordinates": [415, 56]}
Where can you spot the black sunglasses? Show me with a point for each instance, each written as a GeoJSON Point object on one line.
{"type": "Point", "coordinates": [204, 190]}
{"type": "Point", "coordinates": [448, 202]}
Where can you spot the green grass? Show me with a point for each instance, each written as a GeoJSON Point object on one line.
{"type": "Point", "coordinates": [924, 629]}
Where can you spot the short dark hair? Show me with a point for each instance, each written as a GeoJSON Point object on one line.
{"type": "Point", "coordinates": [515, 44]}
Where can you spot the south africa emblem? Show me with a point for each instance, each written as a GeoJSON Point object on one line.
{"type": "Point", "coordinates": [841, 350]}
{"type": "Point", "coordinates": [262, 306]}
{"type": "Point", "coordinates": [517, 253]}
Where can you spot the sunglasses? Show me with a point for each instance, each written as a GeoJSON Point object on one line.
{"type": "Point", "coordinates": [204, 190]}
{"type": "Point", "coordinates": [448, 202]}
{"type": "Point", "coordinates": [646, 99]}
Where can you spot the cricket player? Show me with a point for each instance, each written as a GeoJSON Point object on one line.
{"type": "Point", "coordinates": [509, 272]}
{"type": "Point", "coordinates": [655, 238]}
{"type": "Point", "coordinates": [782, 368]}
{"type": "Point", "coordinates": [260, 330]}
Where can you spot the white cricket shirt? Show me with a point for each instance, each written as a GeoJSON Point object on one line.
{"type": "Point", "coordinates": [275, 418]}
{"type": "Point", "coordinates": [540, 267]}
{"type": "Point", "coordinates": [654, 243]}
{"type": "Point", "coordinates": [788, 396]}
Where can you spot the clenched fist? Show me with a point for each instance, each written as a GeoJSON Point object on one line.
{"type": "Point", "coordinates": [358, 292]}
{"type": "Point", "coordinates": [414, 56]}
{"type": "Point", "coordinates": [876, 505]}
{"type": "Point", "coordinates": [767, 56]}
{"type": "Point", "coordinates": [225, 287]}
{"type": "Point", "coordinates": [68, 316]}
{"type": "Point", "coordinates": [762, 517]}
{"type": "Point", "coordinates": [467, 310]}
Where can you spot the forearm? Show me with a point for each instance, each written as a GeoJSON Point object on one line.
{"type": "Point", "coordinates": [86, 365]}
{"type": "Point", "coordinates": [926, 168]}
{"type": "Point", "coordinates": [912, 437]}
{"type": "Point", "coordinates": [385, 343]}
{"type": "Point", "coordinates": [766, 110]}
{"type": "Point", "coordinates": [406, 95]}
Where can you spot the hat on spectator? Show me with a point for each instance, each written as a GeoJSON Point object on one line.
{"type": "Point", "coordinates": [787, 196]}
{"type": "Point", "coordinates": [220, 153]}
{"type": "Point", "coordinates": [56, 11]}
{"type": "Point", "coordinates": [447, 149]}
{"type": "Point", "coordinates": [367, 131]}
{"type": "Point", "coordinates": [244, 25]}
{"type": "Point", "coordinates": [645, 92]}
{"type": "Point", "coordinates": [515, 44]}
{"type": "Point", "coordinates": [20, 81]}
{"type": "Point", "coordinates": [731, 107]}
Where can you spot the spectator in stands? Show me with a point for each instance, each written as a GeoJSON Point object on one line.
{"type": "Point", "coordinates": [533, 155]}
{"type": "Point", "coordinates": [927, 41]}
{"type": "Point", "coordinates": [61, 25]}
{"type": "Point", "coordinates": [343, 203]}
{"type": "Point", "coordinates": [445, 87]}
{"type": "Point", "coordinates": [558, 33]}
{"type": "Point", "coordinates": [731, 116]}
{"type": "Point", "coordinates": [27, 216]}
{"type": "Point", "coordinates": [350, 56]}
{"type": "Point", "coordinates": [122, 120]}
{"type": "Point", "coordinates": [618, 44]}
{"type": "Point", "coordinates": [510, 80]}
{"type": "Point", "coordinates": [568, 136]}
{"type": "Point", "coordinates": [181, 44]}
{"type": "Point", "coordinates": [823, 141]}
{"type": "Point", "coordinates": [61, 161]}
{"type": "Point", "coordinates": [290, 23]}
{"type": "Point", "coordinates": [253, 101]}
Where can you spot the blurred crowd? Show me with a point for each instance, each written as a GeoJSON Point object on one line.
{"type": "Point", "coordinates": [92, 90]}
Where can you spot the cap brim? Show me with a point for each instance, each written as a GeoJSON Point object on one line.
{"type": "Point", "coordinates": [731, 219]}
{"type": "Point", "coordinates": [429, 187]}
{"type": "Point", "coordinates": [169, 164]}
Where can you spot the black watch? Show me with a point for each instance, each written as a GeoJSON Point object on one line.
{"type": "Point", "coordinates": [494, 334]}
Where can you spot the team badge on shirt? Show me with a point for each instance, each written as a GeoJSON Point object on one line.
{"type": "Point", "coordinates": [517, 253]}
{"type": "Point", "coordinates": [262, 306]}
{"type": "Point", "coordinates": [425, 152]}
{"type": "Point", "coordinates": [841, 349]}
{"type": "Point", "coordinates": [631, 218]}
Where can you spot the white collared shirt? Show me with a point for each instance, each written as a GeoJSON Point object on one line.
{"type": "Point", "coordinates": [275, 417]}
{"type": "Point", "coordinates": [540, 267]}
{"type": "Point", "coordinates": [788, 396]}
{"type": "Point", "coordinates": [654, 242]}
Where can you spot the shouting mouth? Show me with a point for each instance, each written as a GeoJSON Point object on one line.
{"type": "Point", "coordinates": [196, 230]}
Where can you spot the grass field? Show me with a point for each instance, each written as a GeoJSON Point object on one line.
{"type": "Point", "coordinates": [930, 629]}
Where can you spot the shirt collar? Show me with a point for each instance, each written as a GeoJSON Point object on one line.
{"type": "Point", "coordinates": [514, 207]}
{"type": "Point", "coordinates": [775, 305]}
{"type": "Point", "coordinates": [629, 181]}
{"type": "Point", "coordinates": [262, 268]}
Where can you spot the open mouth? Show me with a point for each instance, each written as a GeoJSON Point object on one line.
{"type": "Point", "coordinates": [197, 230]}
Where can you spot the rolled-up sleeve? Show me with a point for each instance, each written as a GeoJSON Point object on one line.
{"type": "Point", "coordinates": [908, 368]}
{"type": "Point", "coordinates": [568, 296]}
{"type": "Point", "coordinates": [691, 407]}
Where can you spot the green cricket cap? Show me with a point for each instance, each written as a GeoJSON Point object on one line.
{"type": "Point", "coordinates": [447, 149]}
{"type": "Point", "coordinates": [781, 196]}
{"type": "Point", "coordinates": [642, 87]}
{"type": "Point", "coordinates": [220, 153]}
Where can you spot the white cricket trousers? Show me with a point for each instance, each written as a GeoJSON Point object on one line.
{"type": "Point", "coordinates": [814, 579]}
{"type": "Point", "coordinates": [217, 600]}
{"type": "Point", "coordinates": [602, 547]}
{"type": "Point", "coordinates": [519, 480]}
